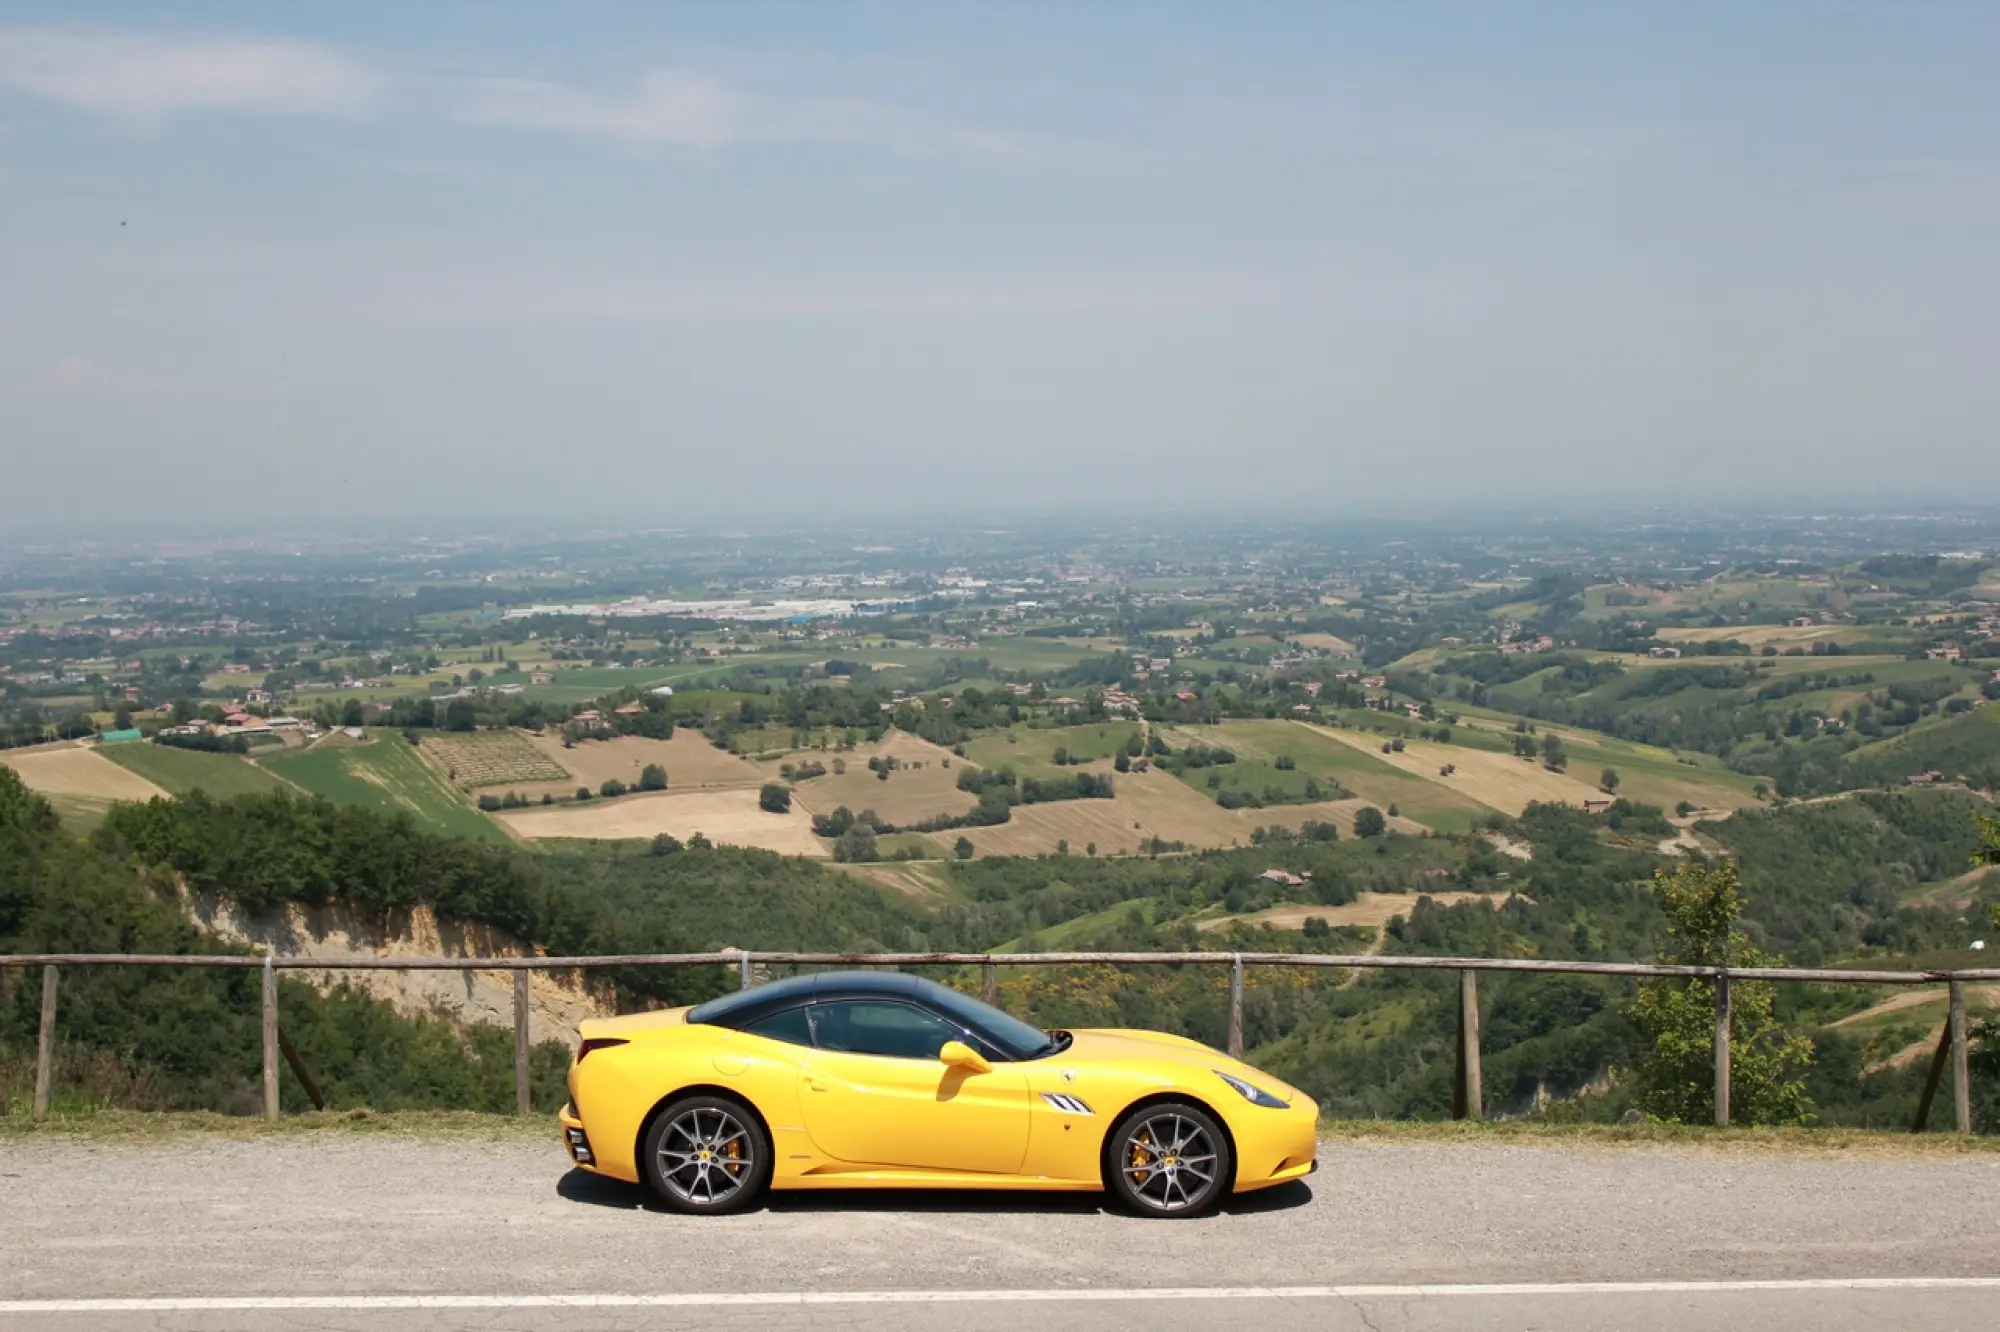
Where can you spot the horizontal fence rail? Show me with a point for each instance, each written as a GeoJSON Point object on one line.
{"type": "Point", "coordinates": [1467, 1095]}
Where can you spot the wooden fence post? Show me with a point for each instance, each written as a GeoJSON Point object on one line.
{"type": "Point", "coordinates": [523, 1101]}
{"type": "Point", "coordinates": [1961, 1081]}
{"type": "Point", "coordinates": [743, 972]}
{"type": "Point", "coordinates": [989, 982]}
{"type": "Point", "coordinates": [1938, 1060]}
{"type": "Point", "coordinates": [1236, 1007]}
{"type": "Point", "coordinates": [1722, 1020]}
{"type": "Point", "coordinates": [270, 1041]}
{"type": "Point", "coordinates": [1468, 1099]}
{"type": "Point", "coordinates": [45, 1043]}
{"type": "Point", "coordinates": [298, 1066]}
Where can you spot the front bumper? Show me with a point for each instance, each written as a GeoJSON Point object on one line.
{"type": "Point", "coordinates": [1275, 1146]}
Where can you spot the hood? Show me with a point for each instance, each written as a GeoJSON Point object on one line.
{"type": "Point", "coordinates": [631, 1024]}
{"type": "Point", "coordinates": [1110, 1044]}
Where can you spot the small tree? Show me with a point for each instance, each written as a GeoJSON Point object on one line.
{"type": "Point", "coordinates": [1368, 822]}
{"type": "Point", "coordinates": [1553, 757]}
{"type": "Point", "coordinates": [1609, 779]}
{"type": "Point", "coordinates": [612, 787]}
{"type": "Point", "coordinates": [963, 848]}
{"type": "Point", "coordinates": [652, 777]}
{"type": "Point", "coordinates": [1675, 1077]}
{"type": "Point", "coordinates": [775, 798]}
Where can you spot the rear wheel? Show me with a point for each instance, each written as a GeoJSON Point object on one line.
{"type": "Point", "coordinates": [706, 1155]}
{"type": "Point", "coordinates": [1169, 1159]}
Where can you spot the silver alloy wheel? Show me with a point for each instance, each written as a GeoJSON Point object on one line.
{"type": "Point", "coordinates": [1170, 1162]}
{"type": "Point", "coordinates": [705, 1155]}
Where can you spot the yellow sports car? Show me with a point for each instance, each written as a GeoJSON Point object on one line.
{"type": "Point", "coordinates": [882, 1080]}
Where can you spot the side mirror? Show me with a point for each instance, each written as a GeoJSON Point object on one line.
{"type": "Point", "coordinates": [960, 1055]}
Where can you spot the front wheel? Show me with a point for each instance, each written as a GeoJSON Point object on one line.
{"type": "Point", "coordinates": [706, 1155]}
{"type": "Point", "coordinates": [1168, 1159]}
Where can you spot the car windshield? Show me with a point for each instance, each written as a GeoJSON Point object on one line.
{"type": "Point", "coordinates": [1015, 1038]}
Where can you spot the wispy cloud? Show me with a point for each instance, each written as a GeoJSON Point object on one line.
{"type": "Point", "coordinates": [588, 299]}
{"type": "Point", "coordinates": [145, 79]}
{"type": "Point", "coordinates": [679, 108]}
{"type": "Point", "coordinates": [1938, 190]}
{"type": "Point", "coordinates": [82, 378]}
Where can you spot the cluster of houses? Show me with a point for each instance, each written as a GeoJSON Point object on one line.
{"type": "Point", "coordinates": [237, 720]}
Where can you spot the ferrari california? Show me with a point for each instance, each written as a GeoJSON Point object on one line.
{"type": "Point", "coordinates": [882, 1080]}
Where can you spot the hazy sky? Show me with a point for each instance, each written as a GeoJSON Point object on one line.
{"type": "Point", "coordinates": [264, 263]}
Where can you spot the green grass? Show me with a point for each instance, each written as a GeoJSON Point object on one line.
{"type": "Point", "coordinates": [1318, 754]}
{"type": "Point", "coordinates": [181, 771]}
{"type": "Point", "coordinates": [1028, 750]}
{"type": "Point", "coordinates": [79, 813]}
{"type": "Point", "coordinates": [1056, 938]}
{"type": "Point", "coordinates": [385, 775]}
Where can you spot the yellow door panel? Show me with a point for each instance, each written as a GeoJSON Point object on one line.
{"type": "Point", "coordinates": [914, 1113]}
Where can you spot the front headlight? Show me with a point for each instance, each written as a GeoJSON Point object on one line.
{"type": "Point", "coordinates": [1251, 1093]}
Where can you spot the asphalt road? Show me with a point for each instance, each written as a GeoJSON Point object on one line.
{"type": "Point", "coordinates": [502, 1234]}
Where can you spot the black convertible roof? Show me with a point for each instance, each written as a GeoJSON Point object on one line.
{"type": "Point", "coordinates": [750, 1006]}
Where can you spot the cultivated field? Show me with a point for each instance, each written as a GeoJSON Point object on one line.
{"type": "Point", "coordinates": [472, 759]}
{"type": "Point", "coordinates": [1778, 635]}
{"type": "Point", "coordinates": [1028, 750]}
{"type": "Point", "coordinates": [1498, 781]}
{"type": "Point", "coordinates": [1038, 829]}
{"type": "Point", "coordinates": [1340, 647]}
{"type": "Point", "coordinates": [1368, 910]}
{"type": "Point", "coordinates": [729, 817]}
{"type": "Point", "coordinates": [180, 771]}
{"type": "Point", "coordinates": [84, 773]}
{"type": "Point", "coordinates": [1346, 757]}
{"type": "Point", "coordinates": [385, 774]}
{"type": "Point", "coordinates": [921, 788]}
{"type": "Point", "coordinates": [1151, 804]}
{"type": "Point", "coordinates": [691, 762]}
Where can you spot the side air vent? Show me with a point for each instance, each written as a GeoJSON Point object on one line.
{"type": "Point", "coordinates": [1069, 1105]}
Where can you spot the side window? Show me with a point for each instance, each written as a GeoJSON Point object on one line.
{"type": "Point", "coordinates": [881, 1027]}
{"type": "Point", "coordinates": [792, 1027]}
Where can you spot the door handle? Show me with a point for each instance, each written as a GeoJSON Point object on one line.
{"type": "Point", "coordinates": [814, 1084]}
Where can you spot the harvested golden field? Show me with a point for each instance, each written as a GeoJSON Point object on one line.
{"type": "Point", "coordinates": [72, 771]}
{"type": "Point", "coordinates": [1500, 781]}
{"type": "Point", "coordinates": [918, 788]}
{"type": "Point", "coordinates": [472, 759]}
{"type": "Point", "coordinates": [1757, 635]}
{"type": "Point", "coordinates": [923, 883]}
{"type": "Point", "coordinates": [729, 817]}
{"type": "Point", "coordinates": [1037, 829]}
{"type": "Point", "coordinates": [1369, 910]}
{"type": "Point", "coordinates": [1152, 804]}
{"type": "Point", "coordinates": [1340, 647]}
{"type": "Point", "coordinates": [690, 761]}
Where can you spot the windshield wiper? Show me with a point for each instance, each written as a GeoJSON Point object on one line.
{"type": "Point", "coordinates": [1058, 1042]}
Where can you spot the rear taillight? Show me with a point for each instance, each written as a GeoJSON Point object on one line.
{"type": "Point", "coordinates": [600, 1043]}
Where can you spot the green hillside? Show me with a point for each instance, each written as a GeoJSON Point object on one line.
{"type": "Point", "coordinates": [386, 775]}
{"type": "Point", "coordinates": [180, 771]}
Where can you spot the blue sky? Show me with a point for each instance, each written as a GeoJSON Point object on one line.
{"type": "Point", "coordinates": [272, 263]}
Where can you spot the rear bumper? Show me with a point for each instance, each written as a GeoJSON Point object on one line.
{"type": "Point", "coordinates": [575, 1140]}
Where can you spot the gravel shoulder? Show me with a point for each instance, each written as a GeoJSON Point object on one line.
{"type": "Point", "coordinates": [459, 1208]}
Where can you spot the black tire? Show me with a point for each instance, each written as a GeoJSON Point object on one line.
{"type": "Point", "coordinates": [1154, 1151]}
{"type": "Point", "coordinates": [706, 1156]}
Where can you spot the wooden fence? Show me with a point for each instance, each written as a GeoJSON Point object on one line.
{"type": "Point", "coordinates": [1467, 1099]}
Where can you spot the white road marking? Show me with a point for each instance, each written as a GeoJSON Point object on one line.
{"type": "Point", "coordinates": [798, 1298]}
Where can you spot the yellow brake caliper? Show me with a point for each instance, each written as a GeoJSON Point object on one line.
{"type": "Point", "coordinates": [1140, 1156]}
